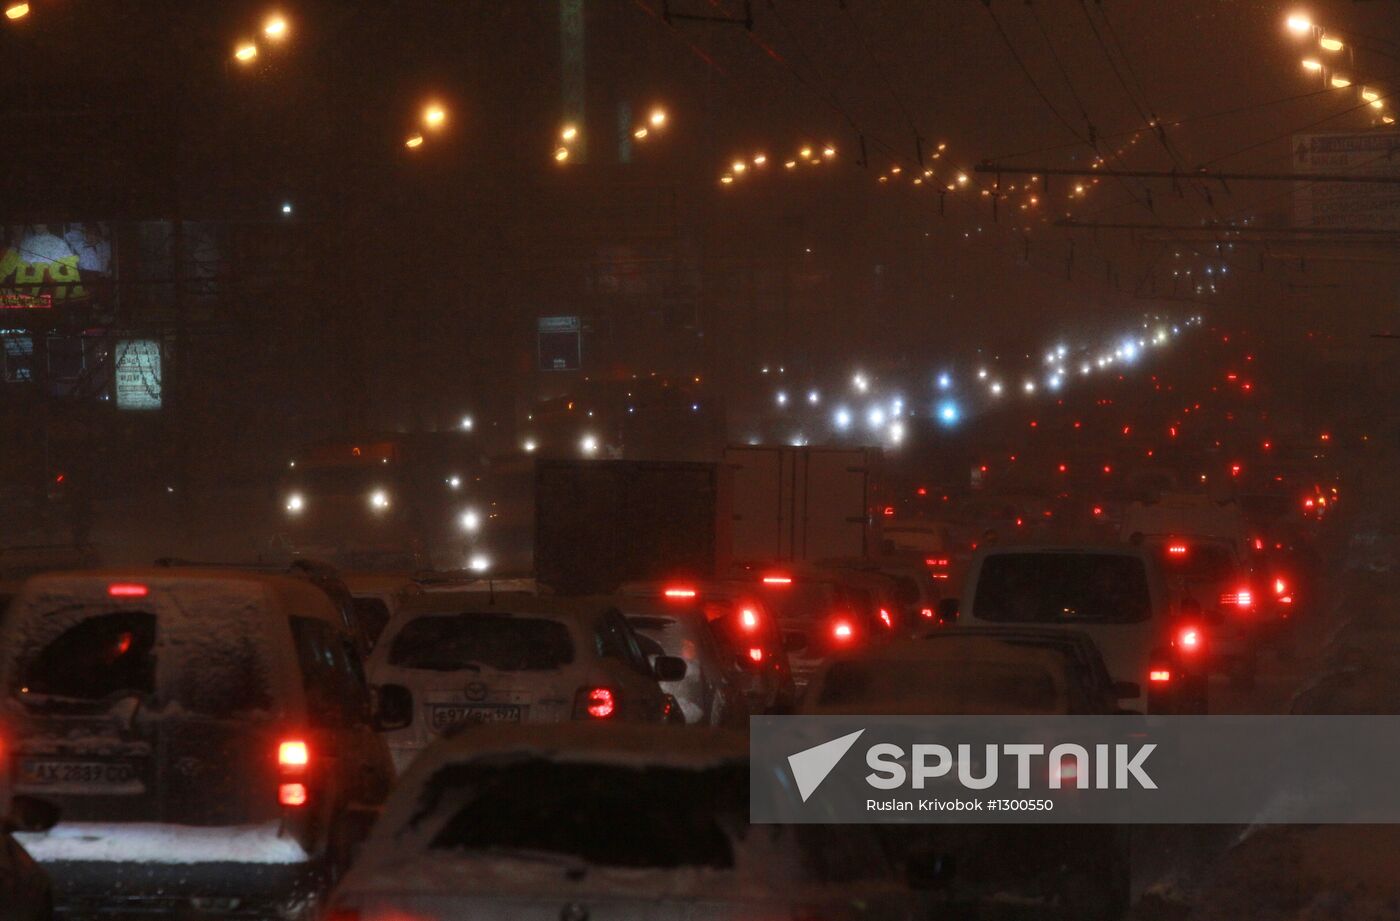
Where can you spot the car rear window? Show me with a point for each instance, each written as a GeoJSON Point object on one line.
{"type": "Point", "coordinates": [97, 658]}
{"type": "Point", "coordinates": [1068, 588]}
{"type": "Point", "coordinates": [978, 687]}
{"type": "Point", "coordinates": [1196, 560]}
{"type": "Point", "coordinates": [448, 642]}
{"type": "Point", "coordinates": [600, 815]}
{"type": "Point", "coordinates": [85, 656]}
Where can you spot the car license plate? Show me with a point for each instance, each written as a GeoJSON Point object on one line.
{"type": "Point", "coordinates": [444, 715]}
{"type": "Point", "coordinates": [61, 775]}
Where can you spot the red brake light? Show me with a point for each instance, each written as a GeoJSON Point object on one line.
{"type": "Point", "coordinates": [598, 703]}
{"type": "Point", "coordinates": [293, 756]}
{"type": "Point", "coordinates": [748, 619]}
{"type": "Point", "coordinates": [1159, 675]}
{"type": "Point", "coordinates": [889, 511]}
{"type": "Point", "coordinates": [1098, 511]}
{"type": "Point", "coordinates": [939, 562]}
{"type": "Point", "coordinates": [755, 654]}
{"type": "Point", "coordinates": [841, 630]}
{"type": "Point", "coordinates": [1241, 599]}
{"type": "Point", "coordinates": [291, 794]}
{"type": "Point", "coordinates": [1177, 549]}
{"type": "Point", "coordinates": [926, 613]}
{"type": "Point", "coordinates": [679, 593]}
{"type": "Point", "coordinates": [886, 619]}
{"type": "Point", "coordinates": [777, 580]}
{"type": "Point", "coordinates": [127, 590]}
{"type": "Point", "coordinates": [1280, 587]}
{"type": "Point", "coordinates": [1189, 638]}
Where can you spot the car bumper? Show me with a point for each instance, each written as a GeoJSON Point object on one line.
{"type": "Point", "coordinates": [148, 868]}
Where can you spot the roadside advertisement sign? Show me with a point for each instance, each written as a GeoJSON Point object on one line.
{"type": "Point", "coordinates": [138, 374]}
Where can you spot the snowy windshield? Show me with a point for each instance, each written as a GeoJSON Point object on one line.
{"type": "Point", "coordinates": [447, 642]}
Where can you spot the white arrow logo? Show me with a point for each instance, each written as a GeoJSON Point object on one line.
{"type": "Point", "coordinates": [810, 766]}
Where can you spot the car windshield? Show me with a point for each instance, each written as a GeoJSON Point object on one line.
{"type": "Point", "coordinates": [1083, 588]}
{"type": "Point", "coordinates": [448, 642]}
{"type": "Point", "coordinates": [602, 815]}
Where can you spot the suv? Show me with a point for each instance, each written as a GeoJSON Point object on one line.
{"type": "Point", "coordinates": [1115, 595]}
{"type": "Point", "coordinates": [207, 734]}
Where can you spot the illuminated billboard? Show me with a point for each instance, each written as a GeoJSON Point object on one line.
{"type": "Point", "coordinates": [137, 374]}
{"type": "Point", "coordinates": [44, 266]}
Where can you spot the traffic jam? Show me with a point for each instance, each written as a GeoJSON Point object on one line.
{"type": "Point", "coordinates": [332, 592]}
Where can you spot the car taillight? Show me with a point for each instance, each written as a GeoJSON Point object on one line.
{"type": "Point", "coordinates": [1176, 549]}
{"type": "Point", "coordinates": [595, 703]}
{"type": "Point", "coordinates": [1189, 639]}
{"type": "Point", "coordinates": [886, 619]}
{"type": "Point", "coordinates": [936, 562]}
{"type": "Point", "coordinates": [842, 631]}
{"type": "Point", "coordinates": [777, 580]}
{"type": "Point", "coordinates": [127, 590]}
{"type": "Point", "coordinates": [755, 654]}
{"type": "Point", "coordinates": [293, 761]}
{"type": "Point", "coordinates": [1240, 599]}
{"type": "Point", "coordinates": [293, 756]}
{"type": "Point", "coordinates": [679, 593]}
{"type": "Point", "coordinates": [291, 794]}
{"type": "Point", "coordinates": [748, 619]}
{"type": "Point", "coordinates": [926, 613]}
{"type": "Point", "coordinates": [1159, 675]}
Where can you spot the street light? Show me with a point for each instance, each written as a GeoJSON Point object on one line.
{"type": "Point", "coordinates": [275, 27]}
{"type": "Point", "coordinates": [1312, 65]}
{"type": "Point", "coordinates": [569, 133]}
{"type": "Point", "coordinates": [414, 141]}
{"type": "Point", "coordinates": [561, 154]}
{"type": "Point", "coordinates": [1340, 82]}
{"type": "Point", "coordinates": [17, 11]}
{"type": "Point", "coordinates": [657, 118]}
{"type": "Point", "coordinates": [245, 52]}
{"type": "Point", "coordinates": [1299, 24]}
{"type": "Point", "coordinates": [1330, 44]}
{"type": "Point", "coordinates": [434, 116]}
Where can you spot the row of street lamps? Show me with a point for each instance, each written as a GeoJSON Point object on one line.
{"type": "Point", "coordinates": [1303, 27]}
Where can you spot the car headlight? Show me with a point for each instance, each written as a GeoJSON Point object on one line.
{"type": "Point", "coordinates": [295, 503]}
{"type": "Point", "coordinates": [379, 500]}
{"type": "Point", "coordinates": [479, 563]}
{"type": "Point", "coordinates": [470, 521]}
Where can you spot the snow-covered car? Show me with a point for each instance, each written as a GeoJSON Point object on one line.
{"type": "Point", "coordinates": [711, 693]}
{"type": "Point", "coordinates": [1084, 868]}
{"type": "Point", "coordinates": [450, 660]}
{"type": "Point", "coordinates": [578, 821]}
{"type": "Point", "coordinates": [745, 630]}
{"type": "Point", "coordinates": [1212, 573]}
{"type": "Point", "coordinates": [206, 733]}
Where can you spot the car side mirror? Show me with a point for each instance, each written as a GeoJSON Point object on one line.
{"type": "Point", "coordinates": [393, 707]}
{"type": "Point", "coordinates": [669, 668]}
{"type": "Point", "coordinates": [29, 813]}
{"type": "Point", "coordinates": [948, 610]}
{"type": "Point", "coordinates": [1126, 690]}
{"type": "Point", "coordinates": [794, 641]}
